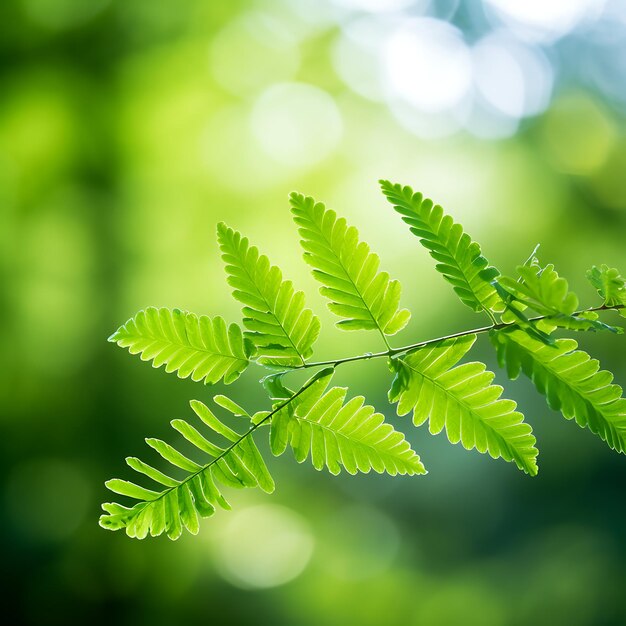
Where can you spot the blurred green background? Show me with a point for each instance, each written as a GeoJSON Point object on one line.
{"type": "Point", "coordinates": [129, 128]}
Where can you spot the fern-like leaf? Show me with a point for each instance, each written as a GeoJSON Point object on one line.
{"type": "Point", "coordinates": [571, 381]}
{"type": "Point", "coordinates": [463, 401]}
{"type": "Point", "coordinates": [541, 289]}
{"type": "Point", "coordinates": [585, 320]}
{"type": "Point", "coordinates": [611, 286]}
{"type": "Point", "coordinates": [178, 503]}
{"type": "Point", "coordinates": [458, 258]}
{"type": "Point", "coordinates": [279, 325]}
{"type": "Point", "coordinates": [544, 291]}
{"type": "Point", "coordinates": [320, 424]}
{"type": "Point", "coordinates": [363, 297]}
{"type": "Point", "coordinates": [190, 345]}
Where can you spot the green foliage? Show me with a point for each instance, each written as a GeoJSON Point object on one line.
{"type": "Point", "coordinates": [334, 433]}
{"type": "Point", "coordinates": [571, 381]}
{"type": "Point", "coordinates": [316, 421]}
{"type": "Point", "coordinates": [463, 401]}
{"type": "Point", "coordinates": [188, 344]}
{"type": "Point", "coordinates": [545, 292]}
{"type": "Point", "coordinates": [364, 297]}
{"type": "Point", "coordinates": [541, 289]}
{"type": "Point", "coordinates": [279, 325]}
{"type": "Point", "coordinates": [458, 258]}
{"type": "Point", "coordinates": [198, 492]}
{"type": "Point", "coordinates": [610, 285]}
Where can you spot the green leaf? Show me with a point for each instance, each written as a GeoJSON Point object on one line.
{"type": "Point", "coordinates": [231, 406]}
{"type": "Point", "coordinates": [335, 433]}
{"type": "Point", "coordinates": [610, 285]}
{"type": "Point", "coordinates": [458, 258]}
{"type": "Point", "coordinates": [514, 314]}
{"type": "Point", "coordinates": [541, 289]}
{"type": "Point", "coordinates": [544, 291]}
{"type": "Point", "coordinates": [571, 381]}
{"type": "Point", "coordinates": [463, 401]}
{"type": "Point", "coordinates": [276, 388]}
{"type": "Point", "coordinates": [585, 320]}
{"type": "Point", "coordinates": [198, 492]}
{"type": "Point", "coordinates": [188, 344]}
{"type": "Point", "coordinates": [365, 298]}
{"type": "Point", "coordinates": [279, 325]}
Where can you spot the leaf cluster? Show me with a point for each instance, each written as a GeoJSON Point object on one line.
{"type": "Point", "coordinates": [432, 380]}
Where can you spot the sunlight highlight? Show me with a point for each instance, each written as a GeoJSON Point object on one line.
{"type": "Point", "coordinates": [428, 64]}
{"type": "Point", "coordinates": [539, 20]}
{"type": "Point", "coordinates": [296, 124]}
{"type": "Point", "coordinates": [263, 546]}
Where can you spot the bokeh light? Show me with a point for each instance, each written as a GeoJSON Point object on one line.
{"type": "Point", "coordinates": [514, 79]}
{"type": "Point", "coordinates": [357, 56]}
{"type": "Point", "coordinates": [545, 21]}
{"type": "Point", "coordinates": [375, 6]}
{"type": "Point", "coordinates": [263, 546]}
{"type": "Point", "coordinates": [428, 64]}
{"type": "Point", "coordinates": [296, 124]}
{"type": "Point", "coordinates": [579, 134]}
{"type": "Point", "coordinates": [253, 51]}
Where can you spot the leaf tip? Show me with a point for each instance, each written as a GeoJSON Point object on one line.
{"type": "Point", "coordinates": [115, 337]}
{"type": "Point", "coordinates": [222, 229]}
{"type": "Point", "coordinates": [532, 469]}
{"type": "Point", "coordinates": [197, 406]}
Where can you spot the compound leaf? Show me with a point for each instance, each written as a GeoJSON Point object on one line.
{"type": "Point", "coordinates": [463, 401]}
{"type": "Point", "coordinates": [278, 323]}
{"type": "Point", "coordinates": [192, 345]}
{"type": "Point", "coordinates": [541, 289]}
{"type": "Point", "coordinates": [336, 433]}
{"type": "Point", "coordinates": [544, 291]}
{"type": "Point", "coordinates": [361, 295]}
{"type": "Point", "coordinates": [458, 258]}
{"type": "Point", "coordinates": [610, 285]}
{"type": "Point", "coordinates": [178, 503]}
{"type": "Point", "coordinates": [571, 381]}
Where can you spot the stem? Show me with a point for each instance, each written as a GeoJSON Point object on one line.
{"type": "Point", "coordinates": [422, 344]}
{"type": "Point", "coordinates": [191, 476]}
{"type": "Point", "coordinates": [491, 316]}
{"type": "Point", "coordinates": [382, 334]}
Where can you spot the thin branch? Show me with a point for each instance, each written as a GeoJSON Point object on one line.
{"type": "Point", "coordinates": [422, 344]}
